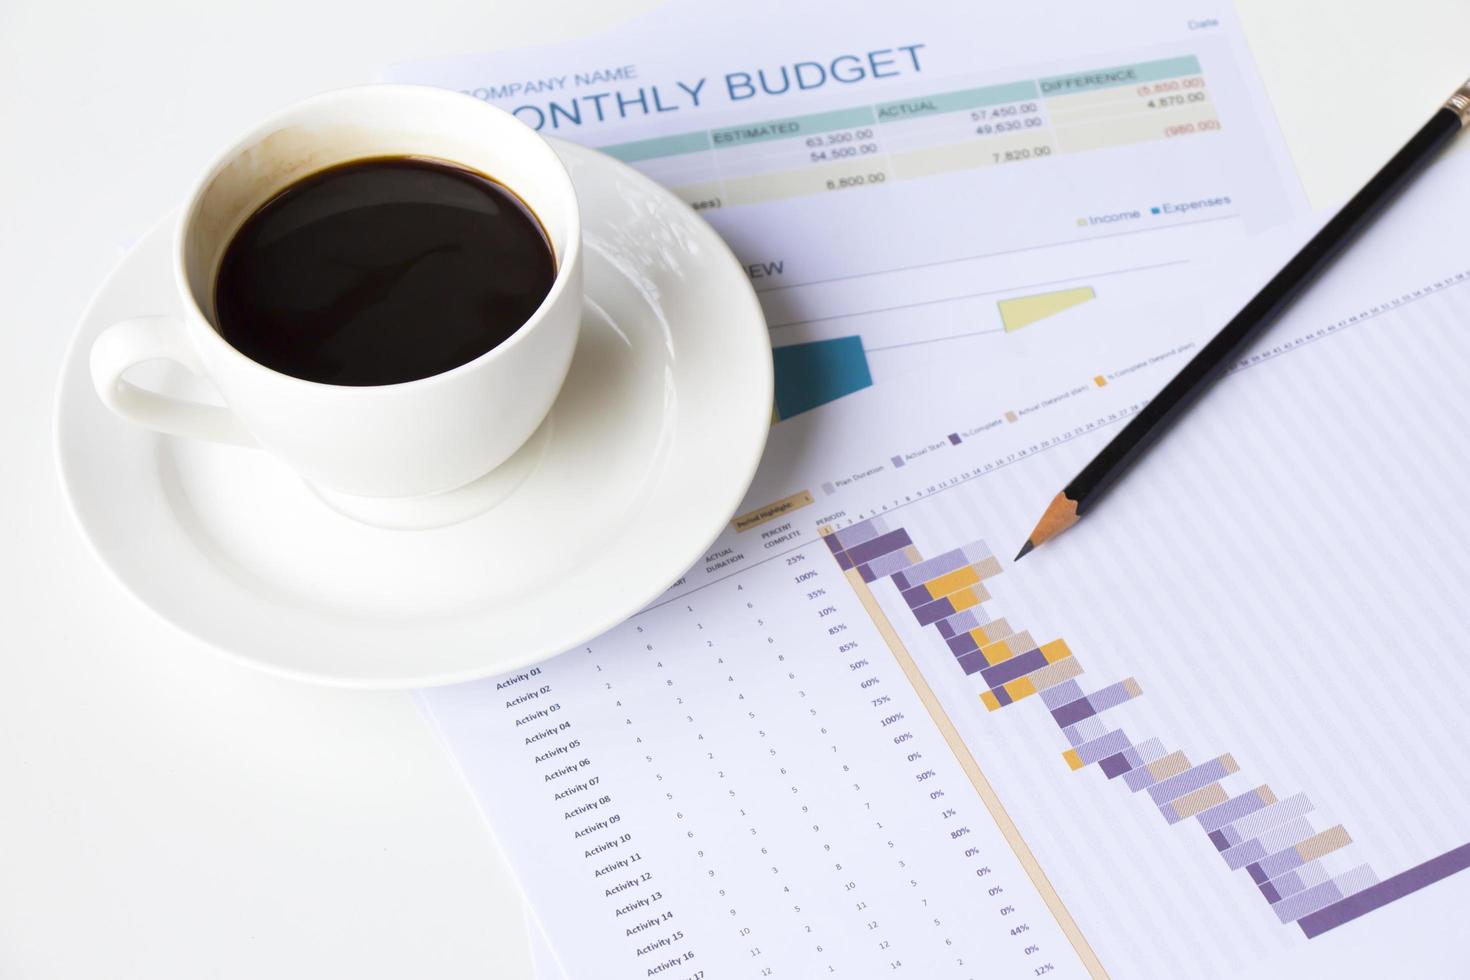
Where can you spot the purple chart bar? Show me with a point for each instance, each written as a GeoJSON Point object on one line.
{"type": "Point", "coordinates": [972, 663]}
{"type": "Point", "coordinates": [1302, 903]}
{"type": "Point", "coordinates": [850, 537]}
{"type": "Point", "coordinates": [1065, 692]}
{"type": "Point", "coordinates": [1192, 779]}
{"type": "Point", "coordinates": [886, 565]}
{"type": "Point", "coordinates": [1100, 748]}
{"type": "Point", "coordinates": [935, 610]}
{"type": "Point", "coordinates": [1085, 731]}
{"type": "Point", "coordinates": [1009, 670]}
{"type": "Point", "coordinates": [1270, 842]}
{"type": "Point", "coordinates": [1252, 824]}
{"type": "Point", "coordinates": [1387, 890]}
{"type": "Point", "coordinates": [881, 545]}
{"type": "Point", "coordinates": [1273, 841]}
{"type": "Point", "coordinates": [932, 568]}
{"type": "Point", "coordinates": [1300, 879]}
{"type": "Point", "coordinates": [1233, 809]}
{"type": "Point", "coordinates": [962, 644]}
{"type": "Point", "coordinates": [963, 622]}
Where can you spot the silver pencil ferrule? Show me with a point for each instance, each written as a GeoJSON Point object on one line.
{"type": "Point", "coordinates": [1459, 104]}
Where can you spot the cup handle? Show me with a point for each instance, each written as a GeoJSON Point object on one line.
{"type": "Point", "coordinates": [151, 338]}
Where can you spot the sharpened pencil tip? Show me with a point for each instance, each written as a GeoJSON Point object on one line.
{"type": "Point", "coordinates": [1060, 514]}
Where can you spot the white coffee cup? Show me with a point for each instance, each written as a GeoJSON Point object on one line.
{"type": "Point", "coordinates": [410, 439]}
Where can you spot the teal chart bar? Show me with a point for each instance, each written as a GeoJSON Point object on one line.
{"type": "Point", "coordinates": [808, 375]}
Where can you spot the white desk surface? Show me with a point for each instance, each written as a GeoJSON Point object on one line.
{"type": "Point", "coordinates": [164, 813]}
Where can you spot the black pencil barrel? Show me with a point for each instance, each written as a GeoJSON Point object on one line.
{"type": "Point", "coordinates": [1226, 346]}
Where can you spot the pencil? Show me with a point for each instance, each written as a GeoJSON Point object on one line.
{"type": "Point", "coordinates": [1206, 367]}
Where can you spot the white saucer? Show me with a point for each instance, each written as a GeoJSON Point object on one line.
{"type": "Point", "coordinates": [645, 456]}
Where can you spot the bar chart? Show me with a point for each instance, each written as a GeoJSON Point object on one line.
{"type": "Point", "coordinates": [1022, 311]}
{"type": "Point", "coordinates": [815, 373]}
{"type": "Point", "coordinates": [1276, 840]}
{"type": "Point", "coordinates": [927, 209]}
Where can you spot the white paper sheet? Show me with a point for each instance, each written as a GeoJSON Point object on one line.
{"type": "Point", "coordinates": [907, 183]}
{"type": "Point", "coordinates": [744, 778]}
{"type": "Point", "coordinates": [780, 769]}
{"type": "Point", "coordinates": [1276, 593]}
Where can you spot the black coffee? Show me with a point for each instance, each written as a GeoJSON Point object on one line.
{"type": "Point", "coordinates": [382, 271]}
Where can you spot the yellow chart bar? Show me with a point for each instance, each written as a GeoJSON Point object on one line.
{"type": "Point", "coordinates": [995, 652]}
{"type": "Point", "coordinates": [1022, 311]}
{"type": "Point", "coordinates": [996, 629]}
{"type": "Point", "coordinates": [952, 582]}
{"type": "Point", "coordinates": [964, 599]}
{"type": "Point", "coordinates": [1020, 687]}
{"type": "Point", "coordinates": [1055, 650]}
